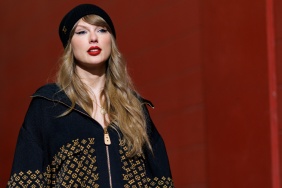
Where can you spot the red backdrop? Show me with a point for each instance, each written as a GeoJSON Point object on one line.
{"type": "Point", "coordinates": [208, 66]}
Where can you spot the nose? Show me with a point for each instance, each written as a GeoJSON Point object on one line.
{"type": "Point", "coordinates": [93, 37]}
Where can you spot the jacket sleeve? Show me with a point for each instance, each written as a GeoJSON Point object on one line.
{"type": "Point", "coordinates": [27, 169]}
{"type": "Point", "coordinates": [157, 164]}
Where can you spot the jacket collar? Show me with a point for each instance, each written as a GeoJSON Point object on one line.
{"type": "Point", "coordinates": [53, 93]}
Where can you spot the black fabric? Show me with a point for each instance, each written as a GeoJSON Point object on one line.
{"type": "Point", "coordinates": [70, 151]}
{"type": "Point", "coordinates": [75, 14]}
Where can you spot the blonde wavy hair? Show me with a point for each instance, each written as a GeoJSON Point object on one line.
{"type": "Point", "coordinates": [121, 101]}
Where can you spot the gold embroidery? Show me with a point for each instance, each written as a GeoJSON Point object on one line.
{"type": "Point", "coordinates": [135, 172]}
{"type": "Point", "coordinates": [64, 30]}
{"type": "Point", "coordinates": [158, 183]}
{"type": "Point", "coordinates": [32, 179]}
{"type": "Point", "coordinates": [73, 166]}
{"type": "Point", "coordinates": [134, 168]}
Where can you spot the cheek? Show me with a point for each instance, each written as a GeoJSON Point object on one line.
{"type": "Point", "coordinates": [109, 50]}
{"type": "Point", "coordinates": [76, 54]}
{"type": "Point", "coordinates": [108, 47]}
{"type": "Point", "coordinates": [76, 48]}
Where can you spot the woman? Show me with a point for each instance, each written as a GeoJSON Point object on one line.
{"type": "Point", "coordinates": [91, 128]}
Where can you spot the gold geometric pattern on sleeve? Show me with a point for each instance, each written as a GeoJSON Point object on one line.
{"type": "Point", "coordinates": [74, 166]}
{"type": "Point", "coordinates": [26, 179]}
{"type": "Point", "coordinates": [160, 182]}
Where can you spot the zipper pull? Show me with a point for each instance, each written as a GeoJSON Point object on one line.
{"type": "Point", "coordinates": [107, 139]}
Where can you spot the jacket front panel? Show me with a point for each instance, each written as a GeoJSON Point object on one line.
{"type": "Point", "coordinates": [70, 151]}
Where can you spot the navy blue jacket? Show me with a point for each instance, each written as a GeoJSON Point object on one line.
{"type": "Point", "coordinates": [70, 151]}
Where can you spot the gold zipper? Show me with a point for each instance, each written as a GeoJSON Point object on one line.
{"type": "Point", "coordinates": [107, 141]}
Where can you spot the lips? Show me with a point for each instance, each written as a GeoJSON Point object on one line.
{"type": "Point", "coordinates": [94, 50]}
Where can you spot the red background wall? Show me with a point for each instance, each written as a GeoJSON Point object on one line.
{"type": "Point", "coordinates": [205, 65]}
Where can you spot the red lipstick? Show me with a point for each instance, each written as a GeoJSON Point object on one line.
{"type": "Point", "coordinates": [94, 50]}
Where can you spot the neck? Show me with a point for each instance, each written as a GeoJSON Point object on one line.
{"type": "Point", "coordinates": [93, 77]}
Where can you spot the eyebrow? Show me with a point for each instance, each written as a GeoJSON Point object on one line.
{"type": "Point", "coordinates": [87, 27]}
{"type": "Point", "coordinates": [82, 26]}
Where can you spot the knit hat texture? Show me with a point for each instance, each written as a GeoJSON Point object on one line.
{"type": "Point", "coordinates": [75, 14]}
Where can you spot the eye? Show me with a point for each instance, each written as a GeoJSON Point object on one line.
{"type": "Point", "coordinates": [102, 30]}
{"type": "Point", "coordinates": [80, 32]}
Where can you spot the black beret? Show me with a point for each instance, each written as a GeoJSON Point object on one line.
{"type": "Point", "coordinates": [75, 14]}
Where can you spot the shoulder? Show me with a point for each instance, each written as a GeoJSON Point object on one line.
{"type": "Point", "coordinates": [42, 102]}
{"type": "Point", "coordinates": [152, 131]}
{"type": "Point", "coordinates": [52, 92]}
{"type": "Point", "coordinates": [142, 100]}
{"type": "Point", "coordinates": [40, 112]}
{"type": "Point", "coordinates": [47, 90]}
{"type": "Point", "coordinates": [145, 101]}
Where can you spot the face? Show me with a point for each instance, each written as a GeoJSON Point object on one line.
{"type": "Point", "coordinates": [91, 44]}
